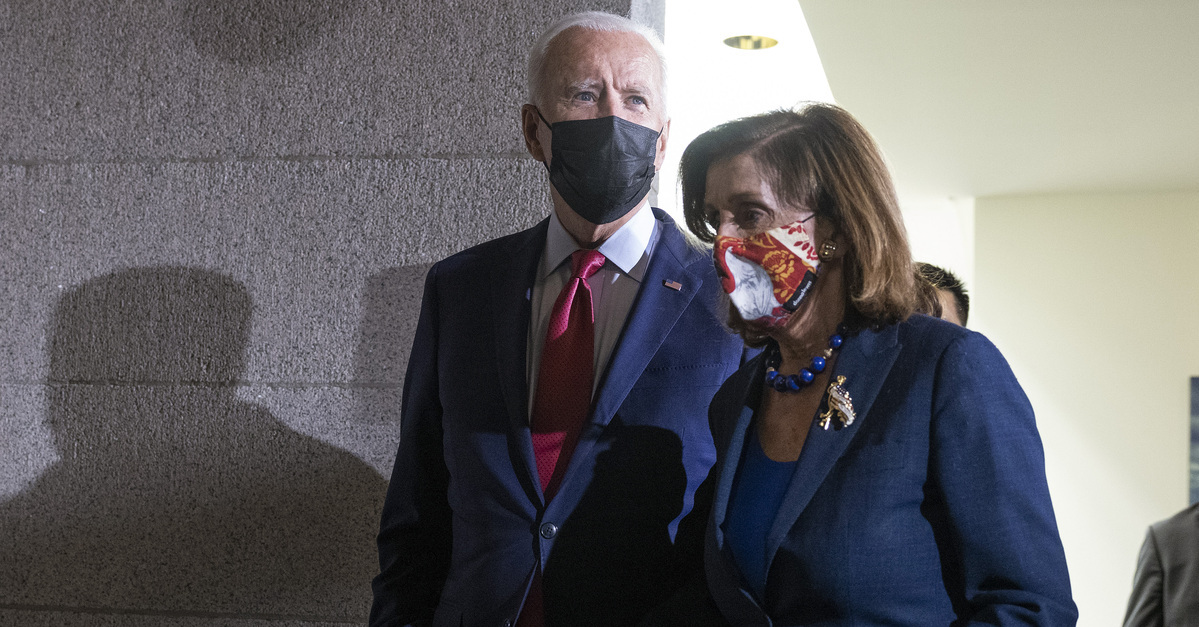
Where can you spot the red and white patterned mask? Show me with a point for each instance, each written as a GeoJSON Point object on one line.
{"type": "Point", "coordinates": [768, 275]}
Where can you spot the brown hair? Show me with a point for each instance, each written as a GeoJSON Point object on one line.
{"type": "Point", "coordinates": [820, 158]}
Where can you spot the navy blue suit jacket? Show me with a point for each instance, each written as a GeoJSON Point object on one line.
{"type": "Point", "coordinates": [465, 522]}
{"type": "Point", "coordinates": [930, 509]}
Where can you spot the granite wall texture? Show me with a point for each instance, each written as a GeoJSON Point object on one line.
{"type": "Point", "coordinates": [215, 218]}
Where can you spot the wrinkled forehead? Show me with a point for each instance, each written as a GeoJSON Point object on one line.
{"type": "Point", "coordinates": [579, 54]}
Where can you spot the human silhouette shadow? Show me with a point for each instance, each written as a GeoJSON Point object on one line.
{"type": "Point", "coordinates": [613, 559]}
{"type": "Point", "coordinates": [172, 494]}
{"type": "Point", "coordinates": [256, 32]}
{"type": "Point", "coordinates": [391, 303]}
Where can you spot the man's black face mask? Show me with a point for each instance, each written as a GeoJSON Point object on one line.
{"type": "Point", "coordinates": [602, 167]}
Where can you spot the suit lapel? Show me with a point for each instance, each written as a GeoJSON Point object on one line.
{"type": "Point", "coordinates": [864, 361]}
{"type": "Point", "coordinates": [653, 315]}
{"type": "Point", "coordinates": [650, 320]}
{"type": "Point", "coordinates": [736, 448]}
{"type": "Point", "coordinates": [512, 282]}
{"type": "Point", "coordinates": [743, 402]}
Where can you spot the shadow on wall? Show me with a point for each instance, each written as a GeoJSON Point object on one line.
{"type": "Point", "coordinates": [258, 31]}
{"type": "Point", "coordinates": [171, 493]}
{"type": "Point", "coordinates": [391, 302]}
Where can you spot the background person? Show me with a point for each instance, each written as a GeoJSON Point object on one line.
{"type": "Point", "coordinates": [873, 467]}
{"type": "Point", "coordinates": [942, 294]}
{"type": "Point", "coordinates": [553, 431]}
{"type": "Point", "coordinates": [1165, 590]}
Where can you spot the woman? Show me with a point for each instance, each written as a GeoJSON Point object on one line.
{"type": "Point", "coordinates": [875, 467]}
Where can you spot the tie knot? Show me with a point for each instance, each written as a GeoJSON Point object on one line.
{"type": "Point", "coordinates": [584, 263]}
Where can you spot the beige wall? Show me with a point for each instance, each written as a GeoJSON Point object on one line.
{"type": "Point", "coordinates": [1093, 300]}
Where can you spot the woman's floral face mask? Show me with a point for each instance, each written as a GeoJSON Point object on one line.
{"type": "Point", "coordinates": [768, 275]}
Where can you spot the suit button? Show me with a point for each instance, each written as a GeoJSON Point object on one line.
{"type": "Point", "coordinates": [508, 623]}
{"type": "Point", "coordinates": [549, 530]}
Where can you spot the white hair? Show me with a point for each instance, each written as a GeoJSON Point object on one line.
{"type": "Point", "coordinates": [591, 20]}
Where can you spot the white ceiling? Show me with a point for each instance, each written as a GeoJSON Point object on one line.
{"type": "Point", "coordinates": [711, 83]}
{"type": "Point", "coordinates": [974, 98]}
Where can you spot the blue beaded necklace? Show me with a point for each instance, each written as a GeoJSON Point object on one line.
{"type": "Point", "coordinates": [796, 382]}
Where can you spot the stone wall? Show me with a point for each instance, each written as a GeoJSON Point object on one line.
{"type": "Point", "coordinates": [215, 219]}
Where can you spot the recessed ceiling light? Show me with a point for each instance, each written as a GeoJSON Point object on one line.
{"type": "Point", "coordinates": [750, 42]}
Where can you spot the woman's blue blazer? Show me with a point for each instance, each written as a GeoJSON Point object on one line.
{"type": "Point", "coordinates": [930, 509]}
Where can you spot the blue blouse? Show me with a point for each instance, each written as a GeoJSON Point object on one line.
{"type": "Point", "coordinates": [758, 490]}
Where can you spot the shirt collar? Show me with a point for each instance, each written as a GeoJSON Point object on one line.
{"type": "Point", "coordinates": [624, 248]}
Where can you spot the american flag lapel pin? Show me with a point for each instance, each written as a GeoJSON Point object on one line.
{"type": "Point", "coordinates": [674, 285]}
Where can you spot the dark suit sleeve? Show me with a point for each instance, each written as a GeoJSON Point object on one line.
{"type": "Point", "coordinates": [414, 535]}
{"type": "Point", "coordinates": [1145, 605]}
{"type": "Point", "coordinates": [1002, 558]}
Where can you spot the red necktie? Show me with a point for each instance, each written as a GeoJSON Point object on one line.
{"type": "Point", "coordinates": [566, 374]}
{"type": "Point", "coordinates": [564, 381]}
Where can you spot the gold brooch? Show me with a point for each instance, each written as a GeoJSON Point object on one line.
{"type": "Point", "coordinates": [839, 403]}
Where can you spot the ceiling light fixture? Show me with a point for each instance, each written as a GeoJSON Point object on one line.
{"type": "Point", "coordinates": [750, 42]}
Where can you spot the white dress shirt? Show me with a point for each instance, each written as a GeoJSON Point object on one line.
{"type": "Point", "coordinates": [613, 288]}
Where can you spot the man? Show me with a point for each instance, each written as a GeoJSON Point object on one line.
{"type": "Point", "coordinates": [943, 295]}
{"type": "Point", "coordinates": [554, 423]}
{"type": "Point", "coordinates": [1165, 590]}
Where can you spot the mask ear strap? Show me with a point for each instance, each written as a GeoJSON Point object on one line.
{"type": "Point", "coordinates": [547, 125]}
